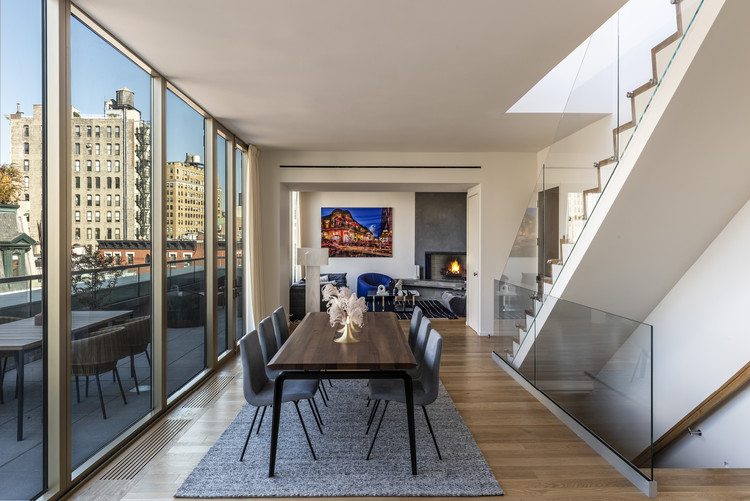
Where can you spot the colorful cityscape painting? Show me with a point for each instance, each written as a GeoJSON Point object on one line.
{"type": "Point", "coordinates": [357, 231]}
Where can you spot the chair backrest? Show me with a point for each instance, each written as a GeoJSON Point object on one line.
{"type": "Point", "coordinates": [280, 326]}
{"type": "Point", "coordinates": [138, 333]}
{"type": "Point", "coordinates": [99, 352]}
{"type": "Point", "coordinates": [253, 368]}
{"type": "Point", "coordinates": [431, 372]}
{"type": "Point", "coordinates": [425, 326]}
{"type": "Point", "coordinates": [416, 319]}
{"type": "Point", "coordinates": [267, 339]}
{"type": "Point", "coordinates": [7, 320]}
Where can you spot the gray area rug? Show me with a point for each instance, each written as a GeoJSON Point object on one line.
{"type": "Point", "coordinates": [341, 468]}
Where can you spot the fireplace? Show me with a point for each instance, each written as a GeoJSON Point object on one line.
{"type": "Point", "coordinates": [441, 265]}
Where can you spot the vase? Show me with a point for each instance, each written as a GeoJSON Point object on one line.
{"type": "Point", "coordinates": [347, 332]}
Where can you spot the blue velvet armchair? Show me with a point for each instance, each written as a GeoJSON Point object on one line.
{"type": "Point", "coordinates": [370, 281]}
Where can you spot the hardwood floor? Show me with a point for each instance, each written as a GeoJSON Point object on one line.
{"type": "Point", "coordinates": [532, 454]}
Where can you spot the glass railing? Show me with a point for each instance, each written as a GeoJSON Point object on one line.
{"type": "Point", "coordinates": [610, 81]}
{"type": "Point", "coordinates": [596, 366]}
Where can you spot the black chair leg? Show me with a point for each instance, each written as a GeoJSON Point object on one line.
{"type": "Point", "coordinates": [260, 423]}
{"type": "Point", "coordinates": [373, 411]}
{"type": "Point", "coordinates": [2, 377]}
{"type": "Point", "coordinates": [101, 399]}
{"type": "Point", "coordinates": [312, 409]}
{"type": "Point", "coordinates": [78, 393]}
{"type": "Point", "coordinates": [148, 359]}
{"type": "Point", "coordinates": [250, 432]}
{"type": "Point", "coordinates": [122, 392]}
{"type": "Point", "coordinates": [315, 404]}
{"type": "Point", "coordinates": [296, 405]}
{"type": "Point", "coordinates": [134, 375]}
{"type": "Point", "coordinates": [324, 392]}
{"type": "Point", "coordinates": [323, 398]}
{"type": "Point", "coordinates": [431, 432]}
{"type": "Point", "coordinates": [385, 408]}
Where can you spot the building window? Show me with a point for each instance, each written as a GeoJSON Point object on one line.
{"type": "Point", "coordinates": [109, 233]}
{"type": "Point", "coordinates": [117, 166]}
{"type": "Point", "coordinates": [78, 216]}
{"type": "Point", "coordinates": [117, 131]}
{"type": "Point", "coordinates": [129, 257]}
{"type": "Point", "coordinates": [88, 216]}
{"type": "Point", "coordinates": [97, 131]}
{"type": "Point", "coordinates": [109, 183]}
{"type": "Point", "coordinates": [117, 182]}
{"type": "Point", "coordinates": [88, 200]}
{"type": "Point", "coordinates": [109, 148]}
{"type": "Point", "coordinates": [99, 235]}
{"type": "Point", "coordinates": [78, 182]}
{"type": "Point", "coordinates": [98, 166]}
{"type": "Point", "coordinates": [26, 198]}
{"type": "Point", "coordinates": [98, 182]}
{"type": "Point", "coordinates": [88, 233]}
{"type": "Point", "coordinates": [78, 233]}
{"type": "Point", "coordinates": [117, 200]}
{"type": "Point", "coordinates": [78, 166]}
{"type": "Point", "coordinates": [88, 131]}
{"type": "Point", "coordinates": [26, 164]}
{"type": "Point", "coordinates": [98, 217]}
{"type": "Point", "coordinates": [109, 200]}
{"type": "Point", "coordinates": [25, 131]}
{"type": "Point", "coordinates": [26, 182]}
{"type": "Point", "coordinates": [97, 200]}
{"type": "Point", "coordinates": [97, 148]}
{"type": "Point", "coordinates": [117, 216]}
{"type": "Point", "coordinates": [78, 148]}
{"type": "Point", "coordinates": [88, 182]}
{"type": "Point", "coordinates": [109, 216]}
{"type": "Point", "coordinates": [109, 131]}
{"type": "Point", "coordinates": [78, 131]}
{"type": "Point", "coordinates": [109, 165]}
{"type": "Point", "coordinates": [88, 165]}
{"type": "Point", "coordinates": [25, 148]}
{"type": "Point", "coordinates": [117, 148]}
{"type": "Point", "coordinates": [117, 233]}
{"type": "Point", "coordinates": [78, 200]}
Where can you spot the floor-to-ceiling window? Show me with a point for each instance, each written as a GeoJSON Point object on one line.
{"type": "Point", "coordinates": [222, 169]}
{"type": "Point", "coordinates": [110, 211]}
{"type": "Point", "coordinates": [239, 196]}
{"type": "Point", "coordinates": [22, 169]}
{"type": "Point", "coordinates": [185, 182]}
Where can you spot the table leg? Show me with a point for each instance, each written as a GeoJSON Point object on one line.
{"type": "Point", "coordinates": [409, 397]}
{"type": "Point", "coordinates": [278, 391]}
{"type": "Point", "coordinates": [19, 391]}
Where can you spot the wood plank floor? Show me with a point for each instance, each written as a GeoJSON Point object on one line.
{"type": "Point", "coordinates": [532, 455]}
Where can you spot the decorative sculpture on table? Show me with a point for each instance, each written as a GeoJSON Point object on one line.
{"type": "Point", "coordinates": [346, 309]}
{"type": "Point", "coordinates": [399, 285]}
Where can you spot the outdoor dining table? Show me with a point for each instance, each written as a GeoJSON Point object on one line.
{"type": "Point", "coordinates": [311, 353]}
{"type": "Point", "coordinates": [24, 335]}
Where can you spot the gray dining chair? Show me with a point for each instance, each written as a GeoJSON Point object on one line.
{"type": "Point", "coordinates": [138, 335]}
{"type": "Point", "coordinates": [268, 345]}
{"type": "Point", "coordinates": [258, 389]}
{"type": "Point", "coordinates": [423, 335]}
{"type": "Point", "coordinates": [280, 326]}
{"type": "Point", "coordinates": [425, 388]}
{"type": "Point", "coordinates": [416, 319]}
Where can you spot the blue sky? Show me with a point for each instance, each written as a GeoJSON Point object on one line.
{"type": "Point", "coordinates": [97, 71]}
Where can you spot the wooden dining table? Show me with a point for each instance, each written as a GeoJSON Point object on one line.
{"type": "Point", "coordinates": [24, 335]}
{"type": "Point", "coordinates": [311, 353]}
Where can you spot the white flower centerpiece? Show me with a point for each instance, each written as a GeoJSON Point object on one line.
{"type": "Point", "coordinates": [346, 309]}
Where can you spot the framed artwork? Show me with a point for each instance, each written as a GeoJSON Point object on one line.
{"type": "Point", "coordinates": [357, 231]}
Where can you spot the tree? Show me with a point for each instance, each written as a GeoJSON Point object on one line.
{"type": "Point", "coordinates": [11, 184]}
{"type": "Point", "coordinates": [143, 181]}
{"type": "Point", "coordinates": [92, 283]}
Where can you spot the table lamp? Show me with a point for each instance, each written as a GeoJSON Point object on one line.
{"type": "Point", "coordinates": [312, 259]}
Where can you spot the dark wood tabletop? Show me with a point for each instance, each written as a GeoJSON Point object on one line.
{"type": "Point", "coordinates": [382, 346]}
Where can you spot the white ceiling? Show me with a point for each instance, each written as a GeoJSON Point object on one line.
{"type": "Point", "coordinates": [362, 75]}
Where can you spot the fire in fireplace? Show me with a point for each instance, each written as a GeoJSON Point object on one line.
{"type": "Point", "coordinates": [445, 265]}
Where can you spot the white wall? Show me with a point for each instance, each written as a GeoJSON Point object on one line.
{"type": "Point", "coordinates": [401, 265]}
{"type": "Point", "coordinates": [702, 338]}
{"type": "Point", "coordinates": [506, 181]}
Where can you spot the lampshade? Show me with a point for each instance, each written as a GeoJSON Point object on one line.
{"type": "Point", "coordinates": [312, 256]}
